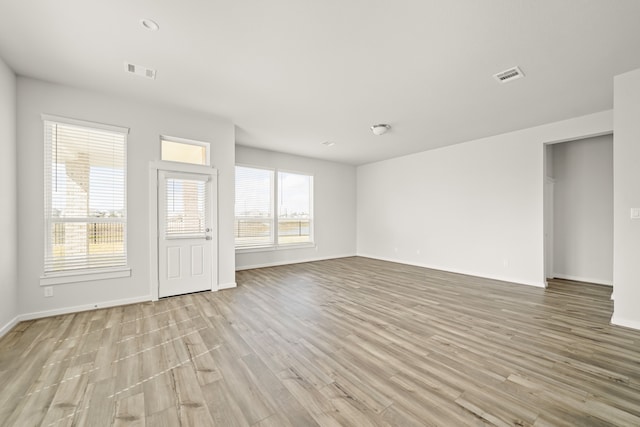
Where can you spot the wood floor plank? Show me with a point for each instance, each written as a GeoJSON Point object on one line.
{"type": "Point", "coordinates": [166, 418]}
{"type": "Point", "coordinates": [344, 342]}
{"type": "Point", "coordinates": [68, 398]}
{"type": "Point", "coordinates": [276, 393]}
{"type": "Point", "coordinates": [99, 405]}
{"type": "Point", "coordinates": [238, 380]}
{"type": "Point", "coordinates": [192, 408]}
{"type": "Point", "coordinates": [319, 407]}
{"type": "Point", "coordinates": [224, 410]}
{"type": "Point", "coordinates": [130, 411]}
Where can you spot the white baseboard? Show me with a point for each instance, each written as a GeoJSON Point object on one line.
{"type": "Point", "coordinates": [616, 320]}
{"type": "Point", "coordinates": [227, 286]}
{"type": "Point", "coordinates": [583, 279]}
{"type": "Point", "coordinates": [86, 307]}
{"type": "Point", "coordinates": [287, 262]}
{"type": "Point", "coordinates": [6, 328]}
{"type": "Point", "coordinates": [540, 284]}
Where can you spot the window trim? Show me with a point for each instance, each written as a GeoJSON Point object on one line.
{"type": "Point", "coordinates": [84, 123]}
{"type": "Point", "coordinates": [87, 274]}
{"type": "Point", "coordinates": [270, 248]}
{"type": "Point", "coordinates": [276, 245]}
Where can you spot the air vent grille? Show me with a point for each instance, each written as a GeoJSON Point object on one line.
{"type": "Point", "coordinates": [140, 71]}
{"type": "Point", "coordinates": [513, 73]}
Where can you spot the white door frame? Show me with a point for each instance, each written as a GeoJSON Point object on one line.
{"type": "Point", "coordinates": [159, 165]}
{"type": "Point", "coordinates": [549, 219]}
{"type": "Point", "coordinates": [544, 182]}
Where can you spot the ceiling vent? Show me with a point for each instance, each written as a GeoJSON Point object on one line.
{"type": "Point", "coordinates": [140, 71]}
{"type": "Point", "coordinates": [513, 73]}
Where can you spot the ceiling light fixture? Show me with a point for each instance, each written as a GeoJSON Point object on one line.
{"type": "Point", "coordinates": [149, 24]}
{"type": "Point", "coordinates": [329, 143]}
{"type": "Point", "coordinates": [380, 129]}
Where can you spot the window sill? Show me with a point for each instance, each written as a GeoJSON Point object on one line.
{"type": "Point", "coordinates": [275, 248]}
{"type": "Point", "coordinates": [83, 276]}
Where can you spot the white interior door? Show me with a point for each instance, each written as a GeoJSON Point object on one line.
{"type": "Point", "coordinates": [185, 233]}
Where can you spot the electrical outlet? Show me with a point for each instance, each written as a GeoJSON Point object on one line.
{"type": "Point", "coordinates": [48, 291]}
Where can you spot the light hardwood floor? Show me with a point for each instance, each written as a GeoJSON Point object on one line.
{"type": "Point", "coordinates": [352, 342]}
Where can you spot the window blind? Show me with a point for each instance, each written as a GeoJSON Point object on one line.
{"type": "Point", "coordinates": [185, 208]}
{"type": "Point", "coordinates": [254, 207]}
{"type": "Point", "coordinates": [294, 208]}
{"type": "Point", "coordinates": [85, 196]}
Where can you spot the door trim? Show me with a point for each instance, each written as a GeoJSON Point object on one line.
{"type": "Point", "coordinates": [154, 168]}
{"type": "Point", "coordinates": [549, 223]}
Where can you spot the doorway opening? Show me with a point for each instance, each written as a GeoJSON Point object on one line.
{"type": "Point", "coordinates": [183, 234]}
{"type": "Point", "coordinates": [578, 210]}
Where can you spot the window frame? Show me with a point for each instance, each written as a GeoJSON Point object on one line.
{"type": "Point", "coordinates": [311, 241]}
{"type": "Point", "coordinates": [272, 217]}
{"type": "Point", "coordinates": [185, 141]}
{"type": "Point", "coordinates": [276, 245]}
{"type": "Point", "coordinates": [81, 274]}
{"type": "Point", "coordinates": [206, 200]}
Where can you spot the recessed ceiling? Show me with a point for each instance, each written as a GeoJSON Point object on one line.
{"type": "Point", "coordinates": [293, 74]}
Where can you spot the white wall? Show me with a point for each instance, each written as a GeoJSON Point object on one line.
{"type": "Point", "coordinates": [626, 195]}
{"type": "Point", "coordinates": [334, 208]}
{"type": "Point", "coordinates": [583, 209]}
{"type": "Point", "coordinates": [146, 122]}
{"type": "Point", "coordinates": [474, 208]}
{"type": "Point", "coordinates": [8, 197]}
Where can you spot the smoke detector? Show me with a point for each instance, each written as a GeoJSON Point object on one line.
{"type": "Point", "coordinates": [380, 129]}
{"type": "Point", "coordinates": [513, 73]}
{"type": "Point", "coordinates": [140, 71]}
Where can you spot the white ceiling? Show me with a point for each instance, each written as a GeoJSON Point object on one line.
{"type": "Point", "coordinates": [292, 74]}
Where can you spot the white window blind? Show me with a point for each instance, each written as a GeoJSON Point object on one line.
{"type": "Point", "coordinates": [85, 196]}
{"type": "Point", "coordinates": [185, 210]}
{"type": "Point", "coordinates": [294, 208]}
{"type": "Point", "coordinates": [254, 225]}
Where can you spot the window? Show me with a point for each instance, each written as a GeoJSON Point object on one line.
{"type": "Point", "coordinates": [185, 210]}
{"type": "Point", "coordinates": [264, 195]}
{"type": "Point", "coordinates": [254, 207]}
{"type": "Point", "coordinates": [184, 151]}
{"type": "Point", "coordinates": [294, 208]}
{"type": "Point", "coordinates": [85, 197]}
